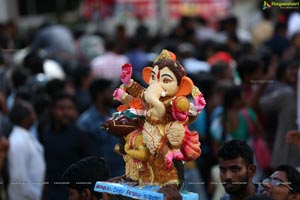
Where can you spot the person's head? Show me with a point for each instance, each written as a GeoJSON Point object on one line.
{"type": "Point", "coordinates": [55, 85]}
{"type": "Point", "coordinates": [281, 28]}
{"type": "Point", "coordinates": [83, 77]}
{"type": "Point", "coordinates": [233, 98]}
{"type": "Point", "coordinates": [218, 92]}
{"type": "Point", "coordinates": [236, 166]}
{"type": "Point", "coordinates": [62, 108]}
{"type": "Point", "coordinates": [22, 114]}
{"type": "Point", "coordinates": [101, 92]}
{"type": "Point", "coordinates": [222, 71]}
{"type": "Point", "coordinates": [229, 24]}
{"type": "Point", "coordinates": [249, 68]}
{"type": "Point", "coordinates": [82, 176]}
{"type": "Point", "coordinates": [287, 71]}
{"type": "Point", "coordinates": [121, 31]}
{"type": "Point", "coordinates": [283, 184]}
{"type": "Point", "coordinates": [34, 62]}
{"type": "Point", "coordinates": [295, 40]}
{"type": "Point", "coordinates": [19, 77]}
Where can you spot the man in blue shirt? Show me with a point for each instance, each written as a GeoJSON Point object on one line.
{"type": "Point", "coordinates": [90, 121]}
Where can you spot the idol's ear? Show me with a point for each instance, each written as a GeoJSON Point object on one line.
{"type": "Point", "coordinates": [185, 87]}
{"type": "Point", "coordinates": [147, 74]}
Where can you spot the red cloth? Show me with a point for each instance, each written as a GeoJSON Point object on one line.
{"type": "Point", "coordinates": [220, 56]}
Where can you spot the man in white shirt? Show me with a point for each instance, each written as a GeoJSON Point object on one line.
{"type": "Point", "coordinates": [26, 164]}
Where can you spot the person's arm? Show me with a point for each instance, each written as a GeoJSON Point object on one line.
{"type": "Point", "coordinates": [3, 106]}
{"type": "Point", "coordinates": [259, 131]}
{"type": "Point", "coordinates": [17, 157]}
{"type": "Point", "coordinates": [3, 151]}
{"type": "Point", "coordinates": [293, 137]}
{"type": "Point", "coordinates": [170, 192]}
{"type": "Point", "coordinates": [269, 77]}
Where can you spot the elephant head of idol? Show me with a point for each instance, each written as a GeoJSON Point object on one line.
{"type": "Point", "coordinates": [166, 80]}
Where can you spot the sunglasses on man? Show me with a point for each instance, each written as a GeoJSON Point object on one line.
{"type": "Point", "coordinates": [276, 183]}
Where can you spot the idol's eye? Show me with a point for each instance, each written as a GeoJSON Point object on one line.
{"type": "Point", "coordinates": [152, 76]}
{"type": "Point", "coordinates": [167, 80]}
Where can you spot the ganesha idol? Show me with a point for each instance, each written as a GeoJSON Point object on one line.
{"type": "Point", "coordinates": [152, 123]}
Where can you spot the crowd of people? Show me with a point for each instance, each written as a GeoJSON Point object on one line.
{"type": "Point", "coordinates": [56, 87]}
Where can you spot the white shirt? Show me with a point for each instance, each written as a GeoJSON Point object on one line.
{"type": "Point", "coordinates": [109, 66]}
{"type": "Point", "coordinates": [193, 66]}
{"type": "Point", "coordinates": [26, 166]}
{"type": "Point", "coordinates": [293, 24]}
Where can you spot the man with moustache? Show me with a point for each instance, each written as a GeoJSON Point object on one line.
{"type": "Point", "coordinates": [237, 170]}
{"type": "Point", "coordinates": [283, 184]}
